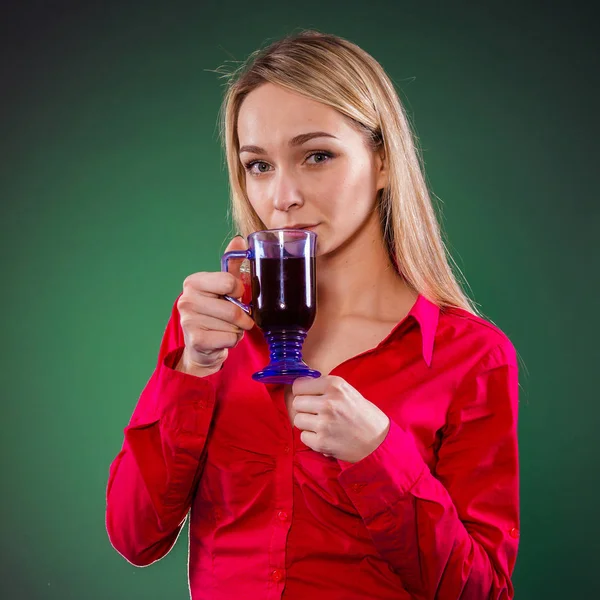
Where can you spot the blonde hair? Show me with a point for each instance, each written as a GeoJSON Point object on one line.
{"type": "Point", "coordinates": [338, 73]}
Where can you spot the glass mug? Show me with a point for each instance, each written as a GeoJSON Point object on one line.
{"type": "Point", "coordinates": [284, 294]}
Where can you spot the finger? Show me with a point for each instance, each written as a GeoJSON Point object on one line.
{"type": "Point", "coordinates": [308, 404]}
{"type": "Point", "coordinates": [237, 243]}
{"type": "Point", "coordinates": [306, 422]}
{"type": "Point", "coordinates": [309, 386]}
{"type": "Point", "coordinates": [213, 284]}
{"type": "Point", "coordinates": [208, 323]}
{"type": "Point", "coordinates": [223, 310]}
{"type": "Point", "coordinates": [214, 340]}
{"type": "Point", "coordinates": [309, 438]}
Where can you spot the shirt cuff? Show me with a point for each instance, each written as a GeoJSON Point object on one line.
{"type": "Point", "coordinates": [379, 480]}
{"type": "Point", "coordinates": [181, 401]}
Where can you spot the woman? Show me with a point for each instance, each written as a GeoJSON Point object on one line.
{"type": "Point", "coordinates": [394, 474]}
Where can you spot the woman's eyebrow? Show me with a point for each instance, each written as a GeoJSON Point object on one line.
{"type": "Point", "coordinates": [305, 137]}
{"type": "Point", "coordinates": [295, 141]}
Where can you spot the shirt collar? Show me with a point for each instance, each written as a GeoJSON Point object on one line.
{"type": "Point", "coordinates": [427, 314]}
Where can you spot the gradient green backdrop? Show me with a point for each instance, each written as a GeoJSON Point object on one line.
{"type": "Point", "coordinates": [114, 190]}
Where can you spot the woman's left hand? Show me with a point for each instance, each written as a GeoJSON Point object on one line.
{"type": "Point", "coordinates": [336, 420]}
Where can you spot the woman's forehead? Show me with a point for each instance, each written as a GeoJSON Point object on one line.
{"type": "Point", "coordinates": [272, 114]}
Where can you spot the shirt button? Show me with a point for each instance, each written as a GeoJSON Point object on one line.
{"type": "Point", "coordinates": [356, 487]}
{"type": "Point", "coordinates": [277, 575]}
{"type": "Point", "coordinates": [286, 449]}
{"type": "Point", "coordinates": [282, 515]}
{"type": "Point", "coordinates": [514, 533]}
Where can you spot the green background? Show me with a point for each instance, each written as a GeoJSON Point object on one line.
{"type": "Point", "coordinates": [113, 190]}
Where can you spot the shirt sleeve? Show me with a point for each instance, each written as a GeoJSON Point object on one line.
{"type": "Point", "coordinates": [152, 479]}
{"type": "Point", "coordinates": [453, 533]}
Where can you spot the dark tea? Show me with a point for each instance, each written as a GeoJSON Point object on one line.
{"type": "Point", "coordinates": [284, 292]}
{"type": "Point", "coordinates": [284, 297]}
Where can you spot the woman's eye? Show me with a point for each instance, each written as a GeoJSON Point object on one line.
{"type": "Point", "coordinates": [262, 167]}
{"type": "Point", "coordinates": [319, 157]}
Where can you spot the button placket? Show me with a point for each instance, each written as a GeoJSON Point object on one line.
{"type": "Point", "coordinates": [282, 508]}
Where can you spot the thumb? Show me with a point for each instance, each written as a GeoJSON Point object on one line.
{"type": "Point", "coordinates": [237, 243]}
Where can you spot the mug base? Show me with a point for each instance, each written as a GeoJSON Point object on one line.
{"type": "Point", "coordinates": [283, 374]}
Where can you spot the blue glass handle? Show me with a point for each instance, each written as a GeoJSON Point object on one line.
{"type": "Point", "coordinates": [225, 267]}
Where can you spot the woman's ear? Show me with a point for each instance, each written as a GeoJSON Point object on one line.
{"type": "Point", "coordinates": [382, 168]}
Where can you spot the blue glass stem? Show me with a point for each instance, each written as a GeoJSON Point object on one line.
{"type": "Point", "coordinates": [285, 353]}
{"type": "Point", "coordinates": [286, 346]}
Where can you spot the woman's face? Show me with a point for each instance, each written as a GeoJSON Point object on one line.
{"type": "Point", "coordinates": [307, 165]}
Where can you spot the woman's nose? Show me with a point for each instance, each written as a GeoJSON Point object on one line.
{"type": "Point", "coordinates": [286, 193]}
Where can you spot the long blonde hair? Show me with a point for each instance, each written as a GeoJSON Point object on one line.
{"type": "Point", "coordinates": [338, 73]}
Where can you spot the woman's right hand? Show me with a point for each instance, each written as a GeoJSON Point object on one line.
{"type": "Point", "coordinates": [211, 324]}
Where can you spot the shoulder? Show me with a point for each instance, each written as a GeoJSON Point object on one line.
{"type": "Point", "coordinates": [482, 339]}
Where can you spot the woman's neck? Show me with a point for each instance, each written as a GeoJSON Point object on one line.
{"type": "Point", "coordinates": [359, 280]}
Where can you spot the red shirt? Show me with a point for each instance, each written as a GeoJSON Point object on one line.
{"type": "Point", "coordinates": [433, 512]}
